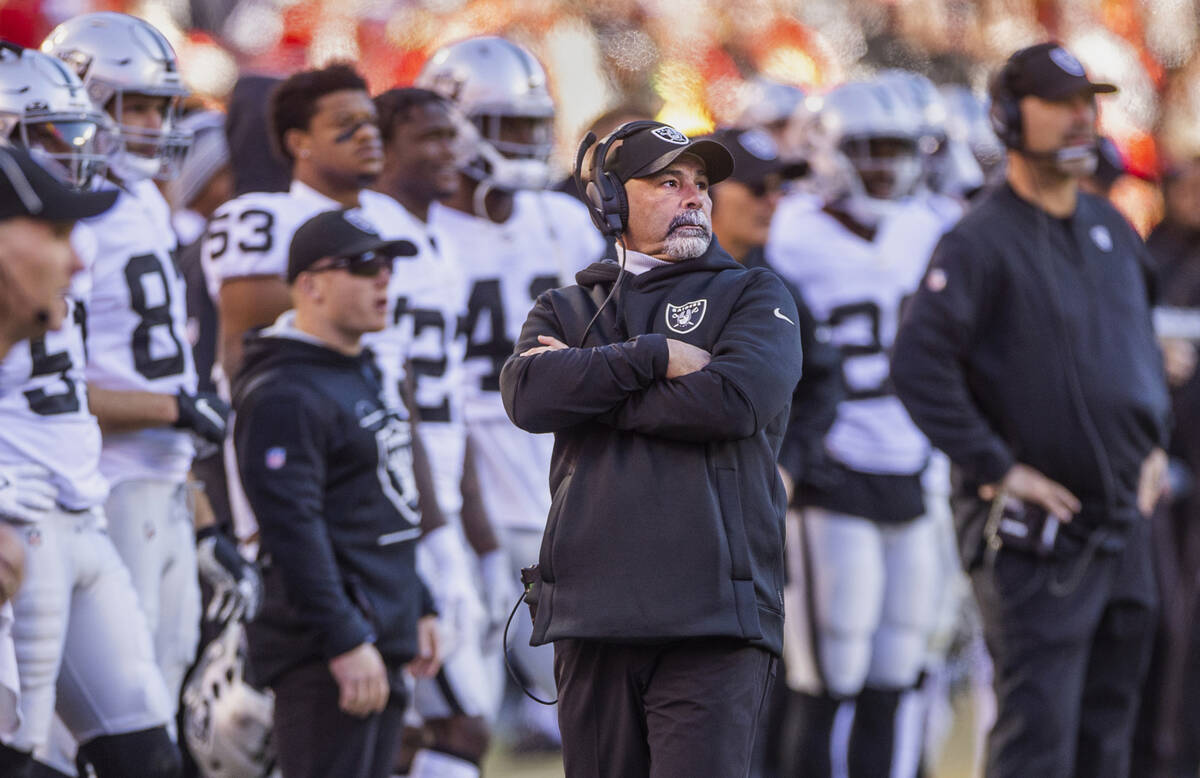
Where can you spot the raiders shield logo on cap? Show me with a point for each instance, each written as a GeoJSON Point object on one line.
{"type": "Point", "coordinates": [356, 218]}
{"type": "Point", "coordinates": [671, 135]}
{"type": "Point", "coordinates": [687, 317]}
{"type": "Point", "coordinates": [1066, 60]}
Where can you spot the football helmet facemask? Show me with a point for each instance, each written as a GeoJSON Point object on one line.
{"type": "Point", "coordinates": [501, 89]}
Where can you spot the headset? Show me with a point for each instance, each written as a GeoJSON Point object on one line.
{"type": "Point", "coordinates": [1005, 112]}
{"type": "Point", "coordinates": [604, 195]}
{"type": "Point", "coordinates": [1007, 123]}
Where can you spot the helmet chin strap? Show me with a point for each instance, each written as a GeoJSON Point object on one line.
{"type": "Point", "coordinates": [130, 167]}
{"type": "Point", "coordinates": [512, 174]}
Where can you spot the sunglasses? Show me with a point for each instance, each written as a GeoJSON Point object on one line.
{"type": "Point", "coordinates": [768, 186]}
{"type": "Point", "coordinates": [367, 264]}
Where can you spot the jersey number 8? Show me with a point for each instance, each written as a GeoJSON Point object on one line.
{"type": "Point", "coordinates": [140, 269]}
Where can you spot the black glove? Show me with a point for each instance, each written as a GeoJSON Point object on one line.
{"type": "Point", "coordinates": [203, 413]}
{"type": "Point", "coordinates": [237, 586]}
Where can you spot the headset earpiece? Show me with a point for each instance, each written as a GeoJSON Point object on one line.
{"type": "Point", "coordinates": [604, 194]}
{"type": "Point", "coordinates": [1005, 112]}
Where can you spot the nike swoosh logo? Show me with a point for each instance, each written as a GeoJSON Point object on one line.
{"type": "Point", "coordinates": [779, 315]}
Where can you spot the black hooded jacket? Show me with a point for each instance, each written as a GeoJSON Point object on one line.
{"type": "Point", "coordinates": [667, 517]}
{"type": "Point", "coordinates": [1030, 340]}
{"type": "Point", "coordinates": [328, 471]}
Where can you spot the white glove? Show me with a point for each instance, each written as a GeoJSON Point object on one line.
{"type": "Point", "coordinates": [236, 583]}
{"type": "Point", "coordinates": [442, 564]}
{"type": "Point", "coordinates": [26, 492]}
{"type": "Point", "coordinates": [501, 587]}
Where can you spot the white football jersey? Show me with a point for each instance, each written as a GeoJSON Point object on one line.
{"type": "Point", "coordinates": [548, 238]}
{"type": "Point", "coordinates": [425, 303]}
{"type": "Point", "coordinates": [137, 329]}
{"type": "Point", "coordinates": [250, 235]}
{"type": "Point", "coordinates": [44, 416]}
{"type": "Point", "coordinates": [856, 289]}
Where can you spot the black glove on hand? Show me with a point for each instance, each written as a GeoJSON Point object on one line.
{"type": "Point", "coordinates": [203, 413]}
{"type": "Point", "coordinates": [237, 586]}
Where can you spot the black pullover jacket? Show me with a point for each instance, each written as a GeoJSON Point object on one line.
{"type": "Point", "coordinates": [667, 514]}
{"type": "Point", "coordinates": [328, 472]}
{"type": "Point", "coordinates": [1030, 340]}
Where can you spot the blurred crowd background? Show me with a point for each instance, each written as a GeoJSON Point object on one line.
{"type": "Point", "coordinates": [707, 62]}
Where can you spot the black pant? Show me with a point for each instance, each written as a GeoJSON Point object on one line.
{"type": "Point", "coordinates": [1069, 662]}
{"type": "Point", "coordinates": [687, 708]}
{"type": "Point", "coordinates": [315, 739]}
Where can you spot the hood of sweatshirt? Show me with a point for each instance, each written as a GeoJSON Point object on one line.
{"type": "Point", "coordinates": [282, 344]}
{"type": "Point", "coordinates": [607, 270]}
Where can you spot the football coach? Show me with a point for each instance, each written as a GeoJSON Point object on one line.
{"type": "Point", "coordinates": [1028, 356]}
{"type": "Point", "coordinates": [666, 380]}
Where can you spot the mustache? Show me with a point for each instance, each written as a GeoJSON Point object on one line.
{"type": "Point", "coordinates": [690, 219]}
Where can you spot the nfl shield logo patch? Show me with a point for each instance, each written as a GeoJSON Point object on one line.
{"type": "Point", "coordinates": [276, 457]}
{"type": "Point", "coordinates": [687, 317]}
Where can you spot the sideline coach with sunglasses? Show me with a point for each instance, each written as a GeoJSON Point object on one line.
{"type": "Point", "coordinates": [328, 470]}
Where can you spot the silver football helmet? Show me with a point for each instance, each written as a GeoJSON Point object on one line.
{"type": "Point", "coordinates": [43, 107]}
{"type": "Point", "coordinates": [951, 168]}
{"type": "Point", "coordinates": [863, 147]}
{"type": "Point", "coordinates": [967, 118]}
{"type": "Point", "coordinates": [501, 89]}
{"type": "Point", "coordinates": [227, 722]}
{"type": "Point", "coordinates": [117, 55]}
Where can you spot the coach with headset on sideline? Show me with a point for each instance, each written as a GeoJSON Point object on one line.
{"type": "Point", "coordinates": [667, 382]}
{"type": "Point", "coordinates": [1028, 356]}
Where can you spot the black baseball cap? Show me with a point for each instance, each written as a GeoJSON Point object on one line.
{"type": "Point", "coordinates": [1050, 72]}
{"type": "Point", "coordinates": [28, 189]}
{"type": "Point", "coordinates": [342, 233]}
{"type": "Point", "coordinates": [756, 156]}
{"type": "Point", "coordinates": [649, 150]}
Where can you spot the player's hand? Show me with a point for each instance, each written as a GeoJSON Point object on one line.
{"type": "Point", "coordinates": [549, 343]}
{"type": "Point", "coordinates": [204, 413]}
{"type": "Point", "coordinates": [26, 492]}
{"type": "Point", "coordinates": [12, 563]}
{"type": "Point", "coordinates": [429, 650]}
{"type": "Point", "coordinates": [501, 588]}
{"type": "Point", "coordinates": [362, 680]}
{"type": "Point", "coordinates": [1152, 481]}
{"type": "Point", "coordinates": [1179, 360]}
{"type": "Point", "coordinates": [1025, 483]}
{"type": "Point", "coordinates": [237, 585]}
{"type": "Point", "coordinates": [684, 358]}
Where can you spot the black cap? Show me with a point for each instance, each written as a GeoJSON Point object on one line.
{"type": "Point", "coordinates": [1050, 72]}
{"type": "Point", "coordinates": [756, 157]}
{"type": "Point", "coordinates": [650, 150]}
{"type": "Point", "coordinates": [338, 234]}
{"type": "Point", "coordinates": [28, 189]}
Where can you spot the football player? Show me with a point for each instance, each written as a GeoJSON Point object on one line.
{"type": "Point", "coordinates": [140, 371]}
{"type": "Point", "coordinates": [516, 240]}
{"type": "Point", "coordinates": [83, 647]}
{"type": "Point", "coordinates": [422, 149]}
{"type": "Point", "coordinates": [863, 579]}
